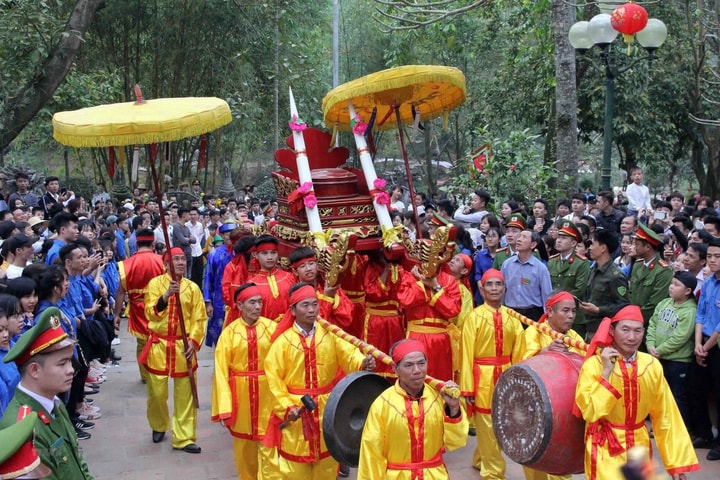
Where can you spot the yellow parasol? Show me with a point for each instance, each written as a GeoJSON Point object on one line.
{"type": "Point", "coordinates": [414, 93]}
{"type": "Point", "coordinates": [432, 90]}
{"type": "Point", "coordinates": [142, 122]}
{"type": "Point", "coordinates": [134, 123]}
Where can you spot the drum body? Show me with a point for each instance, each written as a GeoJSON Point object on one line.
{"type": "Point", "coordinates": [532, 413]}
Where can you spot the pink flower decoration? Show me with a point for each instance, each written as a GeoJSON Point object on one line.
{"type": "Point", "coordinates": [512, 168]}
{"type": "Point", "coordinates": [305, 187]}
{"type": "Point", "coordinates": [297, 124]}
{"type": "Point", "coordinates": [379, 183]}
{"type": "Point", "coordinates": [310, 201]}
{"type": "Point", "coordinates": [382, 198]}
{"type": "Point", "coordinates": [358, 126]}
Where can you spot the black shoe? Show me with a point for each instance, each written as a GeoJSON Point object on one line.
{"type": "Point", "coordinates": [471, 431]}
{"type": "Point", "coordinates": [83, 424]}
{"type": "Point", "coordinates": [713, 454]}
{"type": "Point", "coordinates": [115, 357]}
{"type": "Point", "coordinates": [344, 471]}
{"type": "Point", "coordinates": [191, 448]}
{"type": "Point", "coordinates": [699, 442]}
{"type": "Point", "coordinates": [158, 436]}
{"type": "Point", "coordinates": [82, 434]}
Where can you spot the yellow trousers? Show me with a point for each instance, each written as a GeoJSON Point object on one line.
{"type": "Point", "coordinates": [325, 469]}
{"type": "Point", "coordinates": [487, 456]}
{"type": "Point", "coordinates": [255, 462]}
{"type": "Point", "coordinates": [531, 474]}
{"type": "Point", "coordinates": [184, 420]}
{"type": "Point", "coordinates": [138, 350]}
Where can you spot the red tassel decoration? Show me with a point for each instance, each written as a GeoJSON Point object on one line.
{"type": "Point", "coordinates": [202, 158]}
{"type": "Point", "coordinates": [111, 162]}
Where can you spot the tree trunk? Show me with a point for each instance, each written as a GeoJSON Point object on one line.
{"type": "Point", "coordinates": [19, 109]}
{"type": "Point", "coordinates": [563, 14]}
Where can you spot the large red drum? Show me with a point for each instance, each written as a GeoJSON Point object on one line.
{"type": "Point", "coordinates": [532, 413]}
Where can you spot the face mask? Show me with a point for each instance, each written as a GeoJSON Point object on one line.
{"type": "Point", "coordinates": [699, 225]}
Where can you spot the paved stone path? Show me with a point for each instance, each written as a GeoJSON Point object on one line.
{"type": "Point", "coordinates": [121, 447]}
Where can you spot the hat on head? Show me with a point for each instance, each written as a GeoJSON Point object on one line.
{"type": "Point", "coordinates": [18, 456]}
{"type": "Point", "coordinates": [174, 251]}
{"type": "Point", "coordinates": [438, 220]}
{"type": "Point", "coordinates": [110, 220]}
{"type": "Point", "coordinates": [46, 336]}
{"type": "Point", "coordinates": [18, 241]}
{"type": "Point", "coordinates": [569, 229]}
{"type": "Point", "coordinates": [602, 337]}
{"type": "Point", "coordinates": [33, 221]}
{"type": "Point", "coordinates": [129, 206]}
{"type": "Point", "coordinates": [554, 299]}
{"type": "Point", "coordinates": [217, 239]}
{"type": "Point", "coordinates": [405, 347]}
{"type": "Point", "coordinates": [516, 220]}
{"type": "Point", "coordinates": [646, 234]}
{"type": "Point", "coordinates": [228, 226]}
{"type": "Point", "coordinates": [687, 279]}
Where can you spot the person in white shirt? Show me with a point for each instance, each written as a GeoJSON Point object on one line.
{"type": "Point", "coordinates": [197, 231]}
{"type": "Point", "coordinates": [396, 195]}
{"type": "Point", "coordinates": [638, 195]}
{"type": "Point", "coordinates": [20, 251]}
{"type": "Point", "coordinates": [473, 215]}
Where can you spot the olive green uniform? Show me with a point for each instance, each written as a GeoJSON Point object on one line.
{"type": "Point", "coordinates": [571, 275]}
{"type": "Point", "coordinates": [500, 256]}
{"type": "Point", "coordinates": [649, 285]}
{"type": "Point", "coordinates": [608, 290]}
{"type": "Point", "coordinates": [55, 438]}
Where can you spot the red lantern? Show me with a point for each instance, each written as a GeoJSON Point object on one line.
{"type": "Point", "coordinates": [629, 19]}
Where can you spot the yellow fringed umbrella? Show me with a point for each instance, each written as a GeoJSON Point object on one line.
{"type": "Point", "coordinates": [134, 123]}
{"type": "Point", "coordinates": [432, 90]}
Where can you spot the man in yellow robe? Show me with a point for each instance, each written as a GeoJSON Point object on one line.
{"type": "Point", "coordinates": [410, 425]}
{"type": "Point", "coordinates": [165, 357]}
{"type": "Point", "coordinates": [560, 310]}
{"type": "Point", "coordinates": [616, 392]}
{"type": "Point", "coordinates": [241, 398]}
{"type": "Point", "coordinates": [489, 340]}
{"type": "Point", "coordinates": [305, 359]}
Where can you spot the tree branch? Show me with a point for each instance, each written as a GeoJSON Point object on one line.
{"type": "Point", "coordinates": [19, 109]}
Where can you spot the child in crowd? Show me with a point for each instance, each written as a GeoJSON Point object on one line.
{"type": "Point", "coordinates": [670, 335]}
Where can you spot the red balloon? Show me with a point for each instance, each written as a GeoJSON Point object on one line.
{"type": "Point", "coordinates": [629, 18]}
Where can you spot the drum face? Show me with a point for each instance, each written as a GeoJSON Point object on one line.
{"type": "Point", "coordinates": [532, 414]}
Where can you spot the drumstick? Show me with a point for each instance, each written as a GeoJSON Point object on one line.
{"type": "Point", "coordinates": [547, 329]}
{"type": "Point", "coordinates": [451, 391]}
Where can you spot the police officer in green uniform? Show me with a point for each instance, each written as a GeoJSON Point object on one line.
{"type": "Point", "coordinates": [607, 289]}
{"type": "Point", "coordinates": [18, 456]}
{"type": "Point", "coordinates": [514, 226]}
{"type": "Point", "coordinates": [651, 275]}
{"type": "Point", "coordinates": [44, 357]}
{"type": "Point", "coordinates": [568, 270]}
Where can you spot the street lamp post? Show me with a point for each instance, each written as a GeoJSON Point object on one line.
{"type": "Point", "coordinates": [600, 32]}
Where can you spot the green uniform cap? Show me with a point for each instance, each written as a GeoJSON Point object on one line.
{"type": "Point", "coordinates": [18, 456]}
{"type": "Point", "coordinates": [46, 336]}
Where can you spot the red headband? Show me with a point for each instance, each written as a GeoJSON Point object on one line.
{"type": "Point", "coordinates": [297, 263]}
{"type": "Point", "coordinates": [172, 252]}
{"type": "Point", "coordinates": [602, 337]}
{"type": "Point", "coordinates": [265, 246]}
{"type": "Point", "coordinates": [407, 346]}
{"type": "Point", "coordinates": [466, 260]}
{"type": "Point", "coordinates": [248, 293]}
{"type": "Point", "coordinates": [554, 300]}
{"type": "Point", "coordinates": [145, 238]}
{"type": "Point", "coordinates": [492, 273]}
{"type": "Point", "coordinates": [302, 293]}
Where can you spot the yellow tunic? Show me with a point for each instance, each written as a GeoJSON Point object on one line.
{"type": "Point", "coordinates": [489, 340]}
{"type": "Point", "coordinates": [297, 365]}
{"type": "Point", "coordinates": [390, 450]}
{"type": "Point", "coordinates": [241, 396]}
{"type": "Point", "coordinates": [533, 341]}
{"type": "Point", "coordinates": [486, 352]}
{"type": "Point", "coordinates": [163, 353]}
{"type": "Point", "coordinates": [615, 413]}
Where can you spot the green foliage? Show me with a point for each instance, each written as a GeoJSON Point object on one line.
{"type": "Point", "coordinates": [514, 168]}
